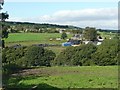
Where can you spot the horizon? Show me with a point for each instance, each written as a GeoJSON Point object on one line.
{"type": "Point", "coordinates": [59, 25]}
{"type": "Point", "coordinates": [103, 15]}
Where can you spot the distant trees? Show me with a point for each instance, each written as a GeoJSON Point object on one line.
{"type": "Point", "coordinates": [90, 34]}
{"type": "Point", "coordinates": [64, 35]}
{"type": "Point", "coordinates": [77, 31]}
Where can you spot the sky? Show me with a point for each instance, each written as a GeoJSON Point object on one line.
{"type": "Point", "coordinates": [102, 15]}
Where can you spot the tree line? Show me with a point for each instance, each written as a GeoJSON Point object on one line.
{"type": "Point", "coordinates": [87, 55]}
{"type": "Point", "coordinates": [17, 27]}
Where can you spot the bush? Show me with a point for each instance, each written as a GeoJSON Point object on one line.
{"type": "Point", "coordinates": [38, 56]}
{"type": "Point", "coordinates": [107, 53]}
{"type": "Point", "coordinates": [76, 55]}
{"type": "Point", "coordinates": [14, 59]}
{"type": "Point", "coordinates": [64, 35]}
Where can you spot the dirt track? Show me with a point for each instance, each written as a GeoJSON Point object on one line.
{"type": "Point", "coordinates": [44, 72]}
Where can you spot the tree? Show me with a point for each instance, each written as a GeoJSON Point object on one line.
{"type": "Point", "coordinates": [34, 55]}
{"type": "Point", "coordinates": [77, 31]}
{"type": "Point", "coordinates": [48, 56]}
{"type": "Point", "coordinates": [76, 55]}
{"type": "Point", "coordinates": [90, 34]}
{"type": "Point", "coordinates": [64, 35]}
{"type": "Point", "coordinates": [12, 59]}
{"type": "Point", "coordinates": [3, 17]}
{"type": "Point", "coordinates": [38, 56]}
{"type": "Point", "coordinates": [106, 53]}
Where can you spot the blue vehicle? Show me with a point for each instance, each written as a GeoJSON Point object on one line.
{"type": "Point", "coordinates": [67, 44]}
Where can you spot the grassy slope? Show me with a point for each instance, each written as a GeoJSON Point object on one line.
{"type": "Point", "coordinates": [70, 77]}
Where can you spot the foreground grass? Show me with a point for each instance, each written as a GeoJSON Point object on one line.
{"type": "Point", "coordinates": [33, 38]}
{"type": "Point", "coordinates": [67, 77]}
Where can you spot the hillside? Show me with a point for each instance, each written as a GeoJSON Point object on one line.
{"type": "Point", "coordinates": [46, 27]}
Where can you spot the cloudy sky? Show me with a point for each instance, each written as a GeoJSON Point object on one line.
{"type": "Point", "coordinates": [102, 15]}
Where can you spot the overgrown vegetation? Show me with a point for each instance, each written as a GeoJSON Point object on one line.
{"type": "Point", "coordinates": [16, 58]}
{"type": "Point", "coordinates": [103, 55]}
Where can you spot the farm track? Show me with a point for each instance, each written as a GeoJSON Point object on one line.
{"type": "Point", "coordinates": [50, 71]}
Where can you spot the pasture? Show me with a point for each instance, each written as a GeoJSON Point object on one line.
{"type": "Point", "coordinates": [33, 38]}
{"type": "Point", "coordinates": [66, 77]}
{"type": "Point", "coordinates": [107, 34]}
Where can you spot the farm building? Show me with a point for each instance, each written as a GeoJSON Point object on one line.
{"type": "Point", "coordinates": [75, 42]}
{"type": "Point", "coordinates": [93, 42]}
{"type": "Point", "coordinates": [61, 30]}
{"type": "Point", "coordinates": [77, 37]}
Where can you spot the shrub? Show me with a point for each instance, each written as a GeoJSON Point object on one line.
{"type": "Point", "coordinates": [38, 56]}
{"type": "Point", "coordinates": [76, 55]}
{"type": "Point", "coordinates": [107, 53]}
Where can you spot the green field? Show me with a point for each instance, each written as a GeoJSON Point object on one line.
{"type": "Point", "coordinates": [36, 38]}
{"type": "Point", "coordinates": [66, 77]}
{"type": "Point", "coordinates": [33, 38]}
{"type": "Point", "coordinates": [107, 34]}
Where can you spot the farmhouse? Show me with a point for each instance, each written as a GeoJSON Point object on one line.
{"type": "Point", "coordinates": [61, 30]}
{"type": "Point", "coordinates": [93, 42]}
{"type": "Point", "coordinates": [77, 37]}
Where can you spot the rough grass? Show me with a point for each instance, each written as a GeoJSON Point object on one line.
{"type": "Point", "coordinates": [67, 77]}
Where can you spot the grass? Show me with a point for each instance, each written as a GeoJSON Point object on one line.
{"type": "Point", "coordinates": [68, 77]}
{"type": "Point", "coordinates": [60, 77]}
{"type": "Point", "coordinates": [36, 38]}
{"type": "Point", "coordinates": [33, 38]}
{"type": "Point", "coordinates": [56, 50]}
{"type": "Point", "coordinates": [107, 34]}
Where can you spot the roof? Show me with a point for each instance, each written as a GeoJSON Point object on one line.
{"type": "Point", "coordinates": [75, 42]}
